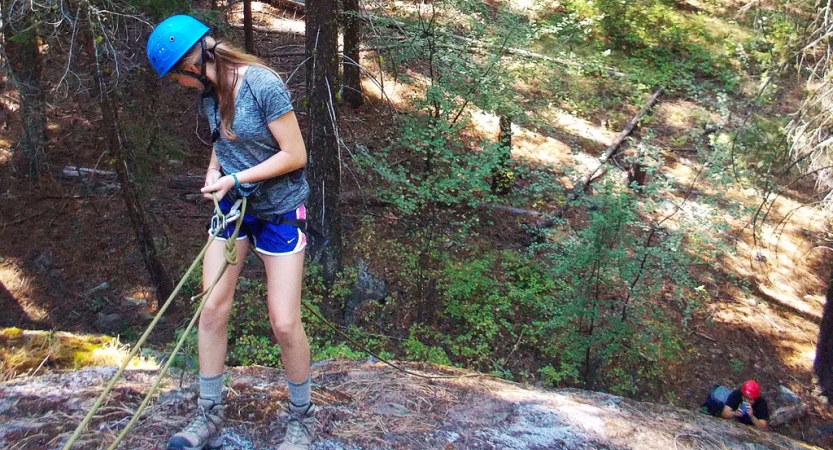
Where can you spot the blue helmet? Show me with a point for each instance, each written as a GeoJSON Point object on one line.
{"type": "Point", "coordinates": [171, 40]}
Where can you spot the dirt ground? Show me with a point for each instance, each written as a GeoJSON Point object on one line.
{"type": "Point", "coordinates": [69, 254]}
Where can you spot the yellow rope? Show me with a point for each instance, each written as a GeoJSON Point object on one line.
{"type": "Point", "coordinates": [231, 258]}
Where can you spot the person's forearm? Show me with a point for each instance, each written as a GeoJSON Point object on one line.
{"type": "Point", "coordinates": [278, 164]}
{"type": "Point", "coordinates": [213, 162]}
{"type": "Point", "coordinates": [761, 424]}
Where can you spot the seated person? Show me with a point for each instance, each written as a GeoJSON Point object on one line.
{"type": "Point", "coordinates": [747, 406]}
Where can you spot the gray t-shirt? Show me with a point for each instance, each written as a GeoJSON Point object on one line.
{"type": "Point", "coordinates": [262, 98]}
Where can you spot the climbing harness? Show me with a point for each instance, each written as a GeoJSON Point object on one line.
{"type": "Point", "coordinates": [304, 225]}
{"type": "Point", "coordinates": [218, 220]}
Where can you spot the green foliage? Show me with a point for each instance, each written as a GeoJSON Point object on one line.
{"type": "Point", "coordinates": [251, 339]}
{"type": "Point", "coordinates": [487, 301]}
{"type": "Point", "coordinates": [652, 41]}
{"type": "Point", "coordinates": [416, 350]}
{"type": "Point", "coordinates": [187, 358]}
{"type": "Point", "coordinates": [443, 170]}
{"type": "Point", "coordinates": [776, 35]}
{"type": "Point", "coordinates": [614, 320]}
{"type": "Point", "coordinates": [437, 172]}
{"type": "Point", "coordinates": [736, 365]}
{"type": "Point", "coordinates": [601, 306]}
{"type": "Point", "coordinates": [322, 309]}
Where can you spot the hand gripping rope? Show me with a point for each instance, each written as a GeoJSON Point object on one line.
{"type": "Point", "coordinates": [218, 223]}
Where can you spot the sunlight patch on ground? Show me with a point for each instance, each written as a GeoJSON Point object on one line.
{"type": "Point", "coordinates": [794, 341]}
{"type": "Point", "coordinates": [781, 263]}
{"type": "Point", "coordinates": [521, 5]}
{"type": "Point", "coordinates": [267, 16]}
{"type": "Point", "coordinates": [26, 351]}
{"type": "Point", "coordinates": [526, 144]}
{"type": "Point", "coordinates": [680, 172]}
{"type": "Point", "coordinates": [534, 147]}
{"type": "Point", "coordinates": [9, 101]}
{"type": "Point", "coordinates": [581, 417]}
{"type": "Point", "coordinates": [719, 26]}
{"type": "Point", "coordinates": [787, 289]}
{"type": "Point", "coordinates": [682, 114]}
{"type": "Point", "coordinates": [414, 8]}
{"type": "Point", "coordinates": [19, 286]}
{"type": "Point", "coordinates": [582, 128]}
{"type": "Point", "coordinates": [486, 123]}
{"type": "Point", "coordinates": [114, 354]}
{"type": "Point", "coordinates": [5, 152]}
{"type": "Point", "coordinates": [796, 355]}
{"type": "Point", "coordinates": [400, 95]}
{"type": "Point", "coordinates": [751, 316]}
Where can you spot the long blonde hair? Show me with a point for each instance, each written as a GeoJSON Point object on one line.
{"type": "Point", "coordinates": [226, 57]}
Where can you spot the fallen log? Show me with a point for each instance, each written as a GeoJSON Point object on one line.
{"type": "Point", "coordinates": [582, 184]}
{"type": "Point", "coordinates": [103, 181]}
{"type": "Point", "coordinates": [188, 182]}
{"type": "Point", "coordinates": [84, 172]}
{"type": "Point", "coordinates": [277, 26]}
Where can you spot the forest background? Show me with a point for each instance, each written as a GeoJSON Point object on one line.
{"type": "Point", "coordinates": [628, 197]}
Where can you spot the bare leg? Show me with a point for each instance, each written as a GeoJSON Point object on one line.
{"type": "Point", "coordinates": [212, 338]}
{"type": "Point", "coordinates": [284, 275]}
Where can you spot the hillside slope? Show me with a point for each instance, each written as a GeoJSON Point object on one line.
{"type": "Point", "coordinates": [365, 405]}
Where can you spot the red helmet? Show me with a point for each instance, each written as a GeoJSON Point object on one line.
{"type": "Point", "coordinates": [751, 389]}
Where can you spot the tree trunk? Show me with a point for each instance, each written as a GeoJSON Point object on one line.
{"type": "Point", "coordinates": [324, 168]}
{"type": "Point", "coordinates": [25, 62]}
{"type": "Point", "coordinates": [115, 141]}
{"type": "Point", "coordinates": [352, 91]}
{"type": "Point", "coordinates": [823, 365]}
{"type": "Point", "coordinates": [248, 37]}
{"type": "Point", "coordinates": [502, 176]}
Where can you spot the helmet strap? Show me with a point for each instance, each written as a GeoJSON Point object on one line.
{"type": "Point", "coordinates": [207, 85]}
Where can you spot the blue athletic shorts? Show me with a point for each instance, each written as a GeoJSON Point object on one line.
{"type": "Point", "coordinates": [268, 238]}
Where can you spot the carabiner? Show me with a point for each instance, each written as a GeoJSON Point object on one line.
{"type": "Point", "coordinates": [220, 221]}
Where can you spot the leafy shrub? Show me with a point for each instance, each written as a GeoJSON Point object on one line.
{"type": "Point", "coordinates": [601, 326]}
{"type": "Point", "coordinates": [488, 302]}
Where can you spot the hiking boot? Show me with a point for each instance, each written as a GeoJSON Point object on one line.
{"type": "Point", "coordinates": [203, 431]}
{"type": "Point", "coordinates": [300, 430]}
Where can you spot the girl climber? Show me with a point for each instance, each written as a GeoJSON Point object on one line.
{"type": "Point", "coordinates": [258, 152]}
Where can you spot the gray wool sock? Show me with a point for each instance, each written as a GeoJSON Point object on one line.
{"type": "Point", "coordinates": [211, 388]}
{"type": "Point", "coordinates": [299, 393]}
